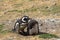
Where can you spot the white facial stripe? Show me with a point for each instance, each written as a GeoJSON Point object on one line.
{"type": "Point", "coordinates": [29, 21]}
{"type": "Point", "coordinates": [23, 19]}
{"type": "Point", "coordinates": [17, 23]}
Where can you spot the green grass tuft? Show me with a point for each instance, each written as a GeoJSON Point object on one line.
{"type": "Point", "coordinates": [50, 10]}
{"type": "Point", "coordinates": [3, 31]}
{"type": "Point", "coordinates": [48, 36]}
{"type": "Point", "coordinates": [1, 27]}
{"type": "Point", "coordinates": [18, 5]}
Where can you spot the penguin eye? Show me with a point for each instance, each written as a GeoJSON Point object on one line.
{"type": "Point", "coordinates": [25, 19]}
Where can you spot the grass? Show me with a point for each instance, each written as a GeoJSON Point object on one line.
{"type": "Point", "coordinates": [45, 9]}
{"type": "Point", "coordinates": [1, 27]}
{"type": "Point", "coordinates": [25, 10]}
{"type": "Point", "coordinates": [31, 0]}
{"type": "Point", "coordinates": [52, 10]}
{"type": "Point", "coordinates": [48, 36]}
{"type": "Point", "coordinates": [55, 9]}
{"type": "Point", "coordinates": [27, 7]}
{"type": "Point", "coordinates": [2, 0]}
{"type": "Point", "coordinates": [18, 5]}
{"type": "Point", "coordinates": [14, 11]}
{"type": "Point", "coordinates": [3, 31]}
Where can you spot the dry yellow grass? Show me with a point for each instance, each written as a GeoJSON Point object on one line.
{"type": "Point", "coordinates": [12, 9]}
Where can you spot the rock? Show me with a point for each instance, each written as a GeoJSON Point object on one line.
{"type": "Point", "coordinates": [54, 39]}
{"type": "Point", "coordinates": [49, 25]}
